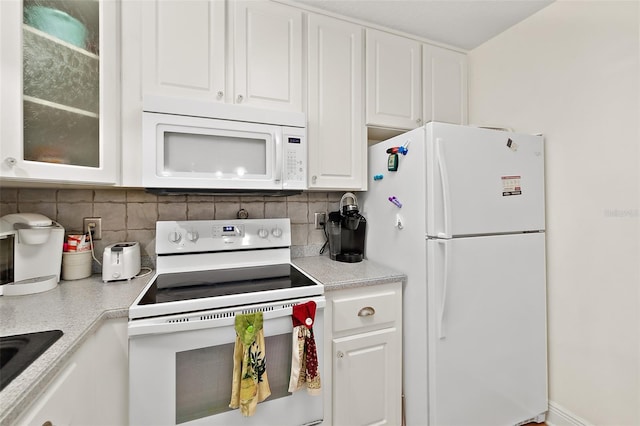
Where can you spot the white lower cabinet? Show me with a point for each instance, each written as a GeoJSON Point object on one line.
{"type": "Point", "coordinates": [365, 353]}
{"type": "Point", "coordinates": [92, 387]}
{"type": "Point", "coordinates": [65, 401]}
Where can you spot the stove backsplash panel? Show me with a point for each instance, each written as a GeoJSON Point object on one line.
{"type": "Point", "coordinates": [130, 215]}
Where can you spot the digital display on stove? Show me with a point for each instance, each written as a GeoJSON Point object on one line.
{"type": "Point", "coordinates": [223, 282]}
{"type": "Point", "coordinates": [228, 228]}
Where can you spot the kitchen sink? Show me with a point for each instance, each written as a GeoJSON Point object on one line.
{"type": "Point", "coordinates": [19, 351]}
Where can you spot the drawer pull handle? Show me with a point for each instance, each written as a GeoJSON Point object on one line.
{"type": "Point", "coordinates": [367, 311]}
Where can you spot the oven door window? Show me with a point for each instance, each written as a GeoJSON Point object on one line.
{"type": "Point", "coordinates": [204, 377]}
{"type": "Point", "coordinates": [6, 259]}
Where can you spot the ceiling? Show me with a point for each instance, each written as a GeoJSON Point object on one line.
{"type": "Point", "coordinates": [464, 24]}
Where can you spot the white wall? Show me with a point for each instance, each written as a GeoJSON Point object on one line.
{"type": "Point", "coordinates": [571, 71]}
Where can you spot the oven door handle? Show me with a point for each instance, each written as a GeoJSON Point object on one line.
{"type": "Point", "coordinates": [140, 328]}
{"type": "Point", "coordinates": [199, 321]}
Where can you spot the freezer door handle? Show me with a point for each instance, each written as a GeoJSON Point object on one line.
{"type": "Point", "coordinates": [444, 182]}
{"type": "Point", "coordinates": [443, 289]}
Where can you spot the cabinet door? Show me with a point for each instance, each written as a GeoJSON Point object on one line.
{"type": "Point", "coordinates": [68, 399]}
{"type": "Point", "coordinates": [367, 379]}
{"type": "Point", "coordinates": [267, 55]}
{"type": "Point", "coordinates": [92, 387]}
{"type": "Point", "coordinates": [445, 85]}
{"type": "Point", "coordinates": [393, 80]}
{"type": "Point", "coordinates": [184, 48]}
{"type": "Point", "coordinates": [59, 92]}
{"type": "Point", "coordinates": [111, 373]}
{"type": "Point", "coordinates": [337, 146]}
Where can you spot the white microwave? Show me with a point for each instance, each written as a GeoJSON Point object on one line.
{"type": "Point", "coordinates": [208, 147]}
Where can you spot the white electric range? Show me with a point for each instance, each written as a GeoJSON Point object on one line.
{"type": "Point", "coordinates": [181, 326]}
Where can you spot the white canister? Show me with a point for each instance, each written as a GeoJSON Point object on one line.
{"type": "Point", "coordinates": [76, 265]}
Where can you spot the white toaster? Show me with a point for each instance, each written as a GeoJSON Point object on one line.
{"type": "Point", "coordinates": [120, 261]}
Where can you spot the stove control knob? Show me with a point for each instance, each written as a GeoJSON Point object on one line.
{"type": "Point", "coordinates": [277, 232]}
{"type": "Point", "coordinates": [175, 237]}
{"type": "Point", "coordinates": [193, 236]}
{"type": "Point", "coordinates": [263, 233]}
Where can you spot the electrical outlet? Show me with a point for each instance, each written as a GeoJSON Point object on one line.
{"type": "Point", "coordinates": [95, 223]}
{"type": "Point", "coordinates": [320, 218]}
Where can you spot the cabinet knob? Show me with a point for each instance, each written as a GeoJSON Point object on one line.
{"type": "Point", "coordinates": [240, 99]}
{"type": "Point", "coordinates": [340, 354]}
{"type": "Point", "coordinates": [419, 120]}
{"type": "Point", "coordinates": [47, 423]}
{"type": "Point", "coordinates": [314, 179]}
{"type": "Point", "coordinates": [11, 161]}
{"type": "Point", "coordinates": [220, 94]}
{"type": "Point", "coordinates": [367, 311]}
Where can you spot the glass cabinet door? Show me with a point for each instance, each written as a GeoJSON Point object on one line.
{"type": "Point", "coordinates": [64, 122]}
{"type": "Point", "coordinates": [61, 82]}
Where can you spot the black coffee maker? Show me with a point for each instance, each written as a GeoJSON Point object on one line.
{"type": "Point", "coordinates": [345, 231]}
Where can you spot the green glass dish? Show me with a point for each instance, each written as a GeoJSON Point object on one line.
{"type": "Point", "coordinates": [56, 23]}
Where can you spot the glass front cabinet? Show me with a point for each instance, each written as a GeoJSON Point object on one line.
{"type": "Point", "coordinates": [59, 91]}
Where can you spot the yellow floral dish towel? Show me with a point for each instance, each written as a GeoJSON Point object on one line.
{"type": "Point", "coordinates": [304, 358]}
{"type": "Point", "coordinates": [250, 384]}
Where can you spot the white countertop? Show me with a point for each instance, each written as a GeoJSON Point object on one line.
{"type": "Point", "coordinates": [339, 275]}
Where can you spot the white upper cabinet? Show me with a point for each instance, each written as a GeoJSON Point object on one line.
{"type": "Point", "coordinates": [58, 91]}
{"type": "Point", "coordinates": [445, 85]}
{"type": "Point", "coordinates": [267, 55]}
{"type": "Point", "coordinates": [183, 48]}
{"type": "Point", "coordinates": [393, 81]}
{"type": "Point", "coordinates": [337, 144]}
{"type": "Point", "coordinates": [244, 52]}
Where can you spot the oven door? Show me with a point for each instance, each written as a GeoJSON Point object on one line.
{"type": "Point", "coordinates": [180, 369]}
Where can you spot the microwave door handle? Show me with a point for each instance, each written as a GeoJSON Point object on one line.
{"type": "Point", "coordinates": [279, 159]}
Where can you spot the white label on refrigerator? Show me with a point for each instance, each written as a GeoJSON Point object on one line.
{"type": "Point", "coordinates": [511, 186]}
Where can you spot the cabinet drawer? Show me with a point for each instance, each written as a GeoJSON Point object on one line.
{"type": "Point", "coordinates": [364, 311]}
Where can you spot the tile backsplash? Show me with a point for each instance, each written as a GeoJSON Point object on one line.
{"type": "Point", "coordinates": [130, 215]}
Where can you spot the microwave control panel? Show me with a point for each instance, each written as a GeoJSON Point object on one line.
{"type": "Point", "coordinates": [295, 152]}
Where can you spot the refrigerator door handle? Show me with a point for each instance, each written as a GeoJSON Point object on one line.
{"type": "Point", "coordinates": [443, 292]}
{"type": "Point", "coordinates": [444, 182]}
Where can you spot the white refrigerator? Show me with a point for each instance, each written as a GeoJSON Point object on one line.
{"type": "Point", "coordinates": [463, 216]}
